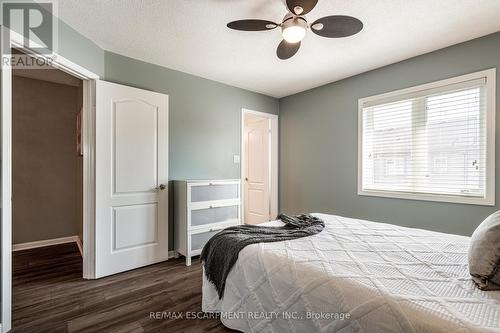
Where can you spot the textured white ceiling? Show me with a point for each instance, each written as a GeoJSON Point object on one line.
{"type": "Point", "coordinates": [191, 36]}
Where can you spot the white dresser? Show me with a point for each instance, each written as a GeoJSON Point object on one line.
{"type": "Point", "coordinates": [201, 209]}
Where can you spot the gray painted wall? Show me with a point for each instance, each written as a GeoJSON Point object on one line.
{"type": "Point", "coordinates": [204, 116]}
{"type": "Point", "coordinates": [79, 49]}
{"type": "Point", "coordinates": [318, 142]}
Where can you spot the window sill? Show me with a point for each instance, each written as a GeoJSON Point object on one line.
{"type": "Point", "coordinates": [488, 201]}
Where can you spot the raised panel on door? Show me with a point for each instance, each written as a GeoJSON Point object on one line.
{"type": "Point", "coordinates": [257, 149]}
{"type": "Point", "coordinates": [135, 143]}
{"type": "Point", "coordinates": [135, 225]}
{"type": "Point", "coordinates": [131, 163]}
{"type": "Point", "coordinates": [256, 202]}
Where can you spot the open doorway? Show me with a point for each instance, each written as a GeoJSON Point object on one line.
{"type": "Point", "coordinates": [47, 183]}
{"type": "Point", "coordinates": [47, 158]}
{"type": "Point", "coordinates": [17, 43]}
{"type": "Point", "coordinates": [259, 166]}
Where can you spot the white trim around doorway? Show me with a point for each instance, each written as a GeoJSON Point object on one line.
{"type": "Point", "coordinates": [274, 161]}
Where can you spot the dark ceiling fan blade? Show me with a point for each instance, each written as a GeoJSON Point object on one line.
{"type": "Point", "coordinates": [252, 25]}
{"type": "Point", "coordinates": [336, 26]}
{"type": "Point", "coordinates": [287, 50]}
{"type": "Point", "coordinates": [301, 7]}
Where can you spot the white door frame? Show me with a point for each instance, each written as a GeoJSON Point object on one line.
{"type": "Point", "coordinates": [88, 143]}
{"type": "Point", "coordinates": [274, 161]}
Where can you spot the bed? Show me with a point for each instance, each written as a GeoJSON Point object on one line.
{"type": "Point", "coordinates": [355, 276]}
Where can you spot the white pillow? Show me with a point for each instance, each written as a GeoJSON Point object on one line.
{"type": "Point", "coordinates": [484, 253]}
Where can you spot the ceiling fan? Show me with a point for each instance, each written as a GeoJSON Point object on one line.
{"type": "Point", "coordinates": [294, 26]}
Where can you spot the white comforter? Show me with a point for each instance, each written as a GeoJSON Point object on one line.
{"type": "Point", "coordinates": [384, 277]}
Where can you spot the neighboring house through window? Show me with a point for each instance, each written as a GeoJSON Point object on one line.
{"type": "Point", "coordinates": [431, 142]}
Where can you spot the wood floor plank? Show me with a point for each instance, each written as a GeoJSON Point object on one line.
{"type": "Point", "coordinates": [49, 295]}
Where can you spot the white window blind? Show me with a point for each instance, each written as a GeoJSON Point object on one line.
{"type": "Point", "coordinates": [428, 142]}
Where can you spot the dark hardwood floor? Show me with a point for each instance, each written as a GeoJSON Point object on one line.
{"type": "Point", "coordinates": [49, 295]}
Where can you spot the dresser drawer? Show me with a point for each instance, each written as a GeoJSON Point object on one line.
{"type": "Point", "coordinates": [202, 217]}
{"type": "Point", "coordinates": [203, 208]}
{"type": "Point", "coordinates": [199, 240]}
{"type": "Point", "coordinates": [214, 192]}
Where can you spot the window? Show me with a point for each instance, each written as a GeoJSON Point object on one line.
{"type": "Point", "coordinates": [431, 142]}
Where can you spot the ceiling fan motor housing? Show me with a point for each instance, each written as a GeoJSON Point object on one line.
{"type": "Point", "coordinates": [291, 16]}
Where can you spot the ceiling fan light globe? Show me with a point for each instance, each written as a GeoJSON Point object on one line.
{"type": "Point", "coordinates": [294, 30]}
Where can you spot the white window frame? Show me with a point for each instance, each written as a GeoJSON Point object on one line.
{"type": "Point", "coordinates": [489, 198]}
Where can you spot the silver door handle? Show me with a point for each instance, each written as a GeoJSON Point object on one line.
{"type": "Point", "coordinates": [161, 187]}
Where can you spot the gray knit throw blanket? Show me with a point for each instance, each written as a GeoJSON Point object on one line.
{"type": "Point", "coordinates": [221, 252]}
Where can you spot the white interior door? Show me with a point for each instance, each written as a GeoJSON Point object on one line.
{"type": "Point", "coordinates": [131, 178]}
{"type": "Point", "coordinates": [257, 169]}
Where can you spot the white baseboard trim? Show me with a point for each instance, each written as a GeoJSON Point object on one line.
{"type": "Point", "coordinates": [80, 245]}
{"type": "Point", "coordinates": [62, 240]}
{"type": "Point", "coordinates": [46, 242]}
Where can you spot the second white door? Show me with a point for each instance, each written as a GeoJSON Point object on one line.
{"type": "Point", "coordinates": [257, 147]}
{"type": "Point", "coordinates": [131, 178]}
